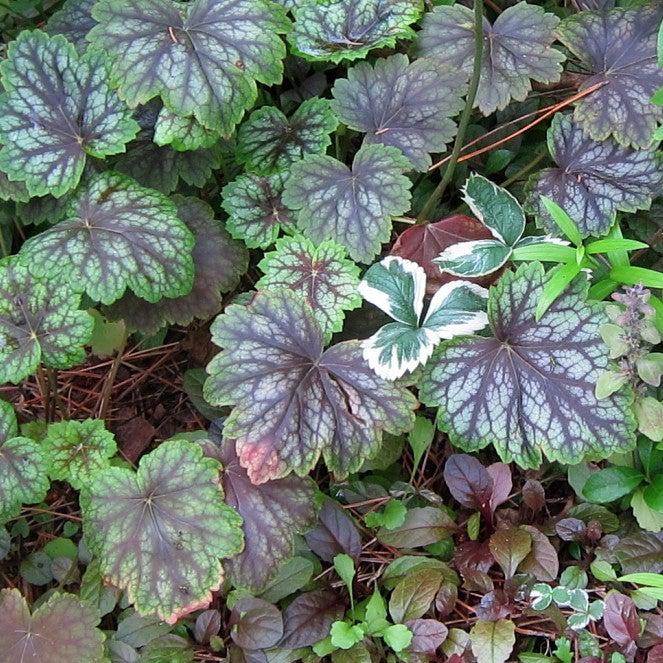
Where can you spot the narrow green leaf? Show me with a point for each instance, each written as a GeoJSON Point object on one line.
{"type": "Point", "coordinates": [555, 287]}
{"type": "Point", "coordinates": [634, 275]}
{"type": "Point", "coordinates": [645, 579]}
{"type": "Point", "coordinates": [605, 245]}
{"type": "Point", "coordinates": [545, 252]}
{"type": "Point", "coordinates": [566, 224]}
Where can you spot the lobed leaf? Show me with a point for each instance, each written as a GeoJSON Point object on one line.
{"type": "Point", "coordinates": [159, 532]}
{"type": "Point", "coordinates": [182, 134]}
{"type": "Point", "coordinates": [40, 322]}
{"type": "Point", "coordinates": [338, 30]}
{"type": "Point", "coordinates": [202, 58]}
{"type": "Point", "coordinates": [218, 262]}
{"type": "Point", "coordinates": [402, 104]}
{"type": "Point", "coordinates": [617, 48]}
{"type": "Point", "coordinates": [73, 20]}
{"type": "Point", "coordinates": [529, 389]}
{"type": "Point", "coordinates": [57, 109]}
{"type": "Point", "coordinates": [116, 235]}
{"type": "Point", "coordinates": [517, 49]}
{"type": "Point", "coordinates": [291, 401]}
{"type": "Point", "coordinates": [354, 207]}
{"type": "Point", "coordinates": [593, 180]}
{"type": "Point", "coordinates": [321, 274]}
{"type": "Point", "coordinates": [269, 141]}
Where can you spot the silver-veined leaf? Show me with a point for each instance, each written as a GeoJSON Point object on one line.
{"type": "Point", "coordinates": [517, 49]}
{"type": "Point", "coordinates": [182, 133]}
{"type": "Point", "coordinates": [353, 206]}
{"type": "Point", "coordinates": [529, 388]}
{"type": "Point", "coordinates": [159, 532]}
{"type": "Point", "coordinates": [116, 235]}
{"type": "Point", "coordinates": [57, 109]}
{"type": "Point", "coordinates": [292, 401]}
{"type": "Point", "coordinates": [406, 105]}
{"type": "Point", "coordinates": [73, 20]}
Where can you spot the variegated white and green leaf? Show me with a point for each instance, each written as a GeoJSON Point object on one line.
{"type": "Point", "coordinates": [475, 258]}
{"type": "Point", "coordinates": [457, 308]}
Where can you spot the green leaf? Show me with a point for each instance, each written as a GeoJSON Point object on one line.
{"type": "Point", "coordinates": [107, 337]}
{"type": "Point", "coordinates": [376, 613]}
{"type": "Point", "coordinates": [39, 323]}
{"type": "Point", "coordinates": [218, 260]}
{"type": "Point", "coordinates": [558, 281]}
{"type": "Point", "coordinates": [116, 235]}
{"type": "Point", "coordinates": [23, 466]}
{"type": "Point", "coordinates": [645, 579]}
{"type": "Point", "coordinates": [475, 258]}
{"type": "Point", "coordinates": [611, 483]}
{"type": "Point", "coordinates": [339, 30]}
{"type": "Point", "coordinates": [543, 249]}
{"type": "Point", "coordinates": [649, 413]}
{"type": "Point", "coordinates": [653, 494]}
{"type": "Point", "coordinates": [75, 450]}
{"type": "Point", "coordinates": [391, 517]}
{"type": "Point", "coordinates": [420, 439]}
{"type": "Point", "coordinates": [182, 133]}
{"type": "Point", "coordinates": [496, 208]}
{"type": "Point", "coordinates": [509, 547]}
{"type": "Point", "coordinates": [566, 224]}
{"type": "Point", "coordinates": [256, 213]}
{"type": "Point", "coordinates": [159, 532]}
{"type": "Point", "coordinates": [345, 568]}
{"type": "Point", "coordinates": [492, 642]}
{"type": "Point", "coordinates": [413, 595]}
{"type": "Point", "coordinates": [603, 571]}
{"type": "Point", "coordinates": [269, 141]}
{"type": "Point", "coordinates": [397, 636]}
{"type": "Point", "coordinates": [73, 20]}
{"type": "Point", "coordinates": [322, 274]}
{"type": "Point", "coordinates": [57, 109]}
{"type": "Point", "coordinates": [345, 636]}
{"type": "Point", "coordinates": [608, 383]}
{"type": "Point", "coordinates": [353, 206]}
{"type": "Point", "coordinates": [606, 245]}
{"type": "Point", "coordinates": [202, 58]}
{"type": "Point", "coordinates": [635, 275]}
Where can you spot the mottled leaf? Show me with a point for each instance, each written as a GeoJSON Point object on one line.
{"type": "Point", "coordinates": [159, 532]}
{"type": "Point", "coordinates": [334, 534]}
{"type": "Point", "coordinates": [517, 49]}
{"type": "Point", "coordinates": [348, 29]}
{"type": "Point", "coordinates": [61, 629]}
{"type": "Point", "coordinates": [309, 617]}
{"type": "Point", "coordinates": [529, 389]}
{"type": "Point", "coordinates": [73, 20]}
{"type": "Point", "coordinates": [273, 513]}
{"type": "Point", "coordinates": [23, 466]}
{"type": "Point", "coordinates": [255, 210]}
{"type": "Point", "coordinates": [12, 190]}
{"type": "Point", "coordinates": [593, 180]}
{"type": "Point", "coordinates": [292, 401]}
{"type": "Point", "coordinates": [116, 235]}
{"type": "Point", "coordinates": [39, 322]}
{"type": "Point", "coordinates": [321, 274]}
{"type": "Point", "coordinates": [182, 134]}
{"type": "Point", "coordinates": [202, 58]}
{"type": "Point", "coordinates": [353, 206]}
{"type": "Point", "coordinates": [218, 262]}
{"type": "Point", "coordinates": [75, 450]}
{"type": "Point", "coordinates": [406, 105]}
{"type": "Point", "coordinates": [617, 48]}
{"type": "Point", "coordinates": [269, 141]}
{"type": "Point", "coordinates": [57, 109]}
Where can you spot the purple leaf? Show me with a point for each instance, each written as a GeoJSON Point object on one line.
{"type": "Point", "coordinates": [493, 606]}
{"type": "Point", "coordinates": [62, 629]}
{"type": "Point", "coordinates": [427, 635]}
{"type": "Point", "coordinates": [500, 473]}
{"type": "Point", "coordinates": [469, 482]}
{"type": "Point", "coordinates": [509, 548]}
{"type": "Point", "coordinates": [309, 617]}
{"type": "Point", "coordinates": [534, 495]}
{"type": "Point", "coordinates": [74, 20]}
{"type": "Point", "coordinates": [640, 552]}
{"type": "Point", "coordinates": [445, 599]}
{"type": "Point", "coordinates": [571, 529]}
{"type": "Point", "coordinates": [622, 622]}
{"type": "Point", "coordinates": [618, 48]}
{"type": "Point", "coordinates": [256, 624]}
{"type": "Point", "coordinates": [473, 555]}
{"type": "Point", "coordinates": [529, 389]}
{"type": "Point", "coordinates": [542, 561]}
{"type": "Point", "coordinates": [292, 401]}
{"type": "Point", "coordinates": [593, 180]}
{"type": "Point", "coordinates": [208, 624]}
{"type": "Point", "coordinates": [335, 533]}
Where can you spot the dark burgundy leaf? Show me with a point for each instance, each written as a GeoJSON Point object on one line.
{"type": "Point", "coordinates": [641, 552]}
{"type": "Point", "coordinates": [427, 635]}
{"type": "Point", "coordinates": [335, 533]}
{"type": "Point", "coordinates": [469, 482]}
{"type": "Point", "coordinates": [534, 496]}
{"type": "Point", "coordinates": [256, 624]}
{"type": "Point", "coordinates": [309, 617]}
{"type": "Point", "coordinates": [652, 634]}
{"type": "Point", "coordinates": [542, 561]}
{"type": "Point", "coordinates": [474, 555]}
{"type": "Point", "coordinates": [493, 606]}
{"type": "Point", "coordinates": [208, 623]}
{"type": "Point", "coordinates": [621, 621]}
{"type": "Point", "coordinates": [500, 473]}
{"type": "Point", "coordinates": [445, 599]}
{"type": "Point", "coordinates": [477, 581]}
{"type": "Point", "coordinates": [655, 654]}
{"type": "Point", "coordinates": [423, 243]}
{"type": "Point", "coordinates": [571, 529]}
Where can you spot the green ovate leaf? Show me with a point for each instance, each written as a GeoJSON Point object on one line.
{"type": "Point", "coordinates": [202, 58]}
{"type": "Point", "coordinates": [473, 259]}
{"type": "Point", "coordinates": [256, 213]}
{"type": "Point", "coordinates": [40, 322]}
{"type": "Point", "coordinates": [593, 180]}
{"type": "Point", "coordinates": [354, 207]}
{"type": "Point", "coordinates": [61, 629]}
{"type": "Point", "coordinates": [116, 235]}
{"type": "Point", "coordinates": [159, 532]}
{"type": "Point", "coordinates": [492, 642]}
{"type": "Point", "coordinates": [23, 467]}
{"type": "Point", "coordinates": [617, 48]}
{"type": "Point", "coordinates": [57, 109]}
{"type": "Point", "coordinates": [321, 274]}
{"type": "Point", "coordinates": [74, 20]}
{"type": "Point", "coordinates": [529, 389]}
{"type": "Point", "coordinates": [348, 29]}
{"type": "Point", "coordinates": [75, 450]}
{"type": "Point", "coordinates": [269, 141]}
{"type": "Point", "coordinates": [517, 49]}
{"type": "Point", "coordinates": [218, 261]}
{"type": "Point", "coordinates": [291, 400]}
{"type": "Point", "coordinates": [402, 104]}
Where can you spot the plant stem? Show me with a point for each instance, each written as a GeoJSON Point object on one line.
{"type": "Point", "coordinates": [464, 118]}
{"type": "Point", "coordinates": [104, 402]}
{"type": "Point", "coordinates": [524, 170]}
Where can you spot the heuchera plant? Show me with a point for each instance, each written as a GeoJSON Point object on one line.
{"type": "Point", "coordinates": [329, 331]}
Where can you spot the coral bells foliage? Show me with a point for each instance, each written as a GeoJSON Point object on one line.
{"type": "Point", "coordinates": [329, 331]}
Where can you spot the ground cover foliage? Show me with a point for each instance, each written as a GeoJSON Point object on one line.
{"type": "Point", "coordinates": [329, 331]}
